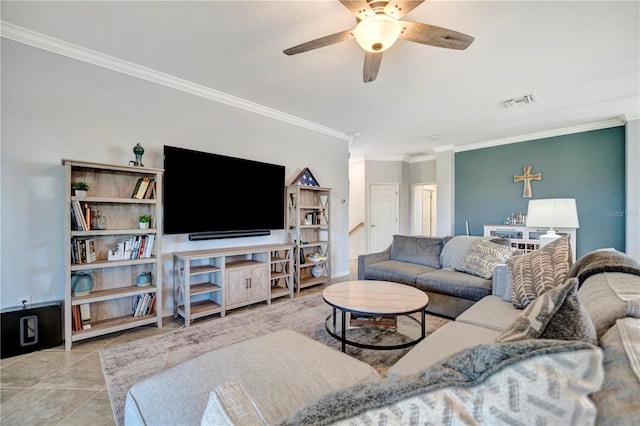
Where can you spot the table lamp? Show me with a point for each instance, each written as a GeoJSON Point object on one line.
{"type": "Point", "coordinates": [552, 213]}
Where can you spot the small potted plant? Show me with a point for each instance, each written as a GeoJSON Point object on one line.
{"type": "Point", "coordinates": [143, 221]}
{"type": "Point", "coordinates": [80, 188]}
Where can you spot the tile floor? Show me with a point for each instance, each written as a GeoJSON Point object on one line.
{"type": "Point", "coordinates": [56, 387]}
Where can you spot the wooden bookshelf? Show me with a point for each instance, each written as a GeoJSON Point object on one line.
{"type": "Point", "coordinates": [114, 281]}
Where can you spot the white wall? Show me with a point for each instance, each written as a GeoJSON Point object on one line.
{"type": "Point", "coordinates": [54, 107]}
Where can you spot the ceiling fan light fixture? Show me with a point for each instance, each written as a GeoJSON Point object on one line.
{"type": "Point", "coordinates": [377, 33]}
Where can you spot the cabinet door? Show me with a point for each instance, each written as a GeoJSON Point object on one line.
{"type": "Point", "coordinates": [237, 289]}
{"type": "Point", "coordinates": [259, 287]}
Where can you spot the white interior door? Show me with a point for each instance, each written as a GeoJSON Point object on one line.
{"type": "Point", "coordinates": [383, 215]}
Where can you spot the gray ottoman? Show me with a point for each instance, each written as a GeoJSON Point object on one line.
{"type": "Point", "coordinates": [282, 371]}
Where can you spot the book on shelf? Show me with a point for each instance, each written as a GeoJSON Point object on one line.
{"type": "Point", "coordinates": [143, 240]}
{"type": "Point", "coordinates": [80, 249]}
{"type": "Point", "coordinates": [386, 321]}
{"type": "Point", "coordinates": [143, 300]}
{"type": "Point", "coordinates": [135, 305]}
{"type": "Point", "coordinates": [90, 250]}
{"type": "Point", "coordinates": [87, 216]}
{"type": "Point", "coordinates": [74, 252]}
{"type": "Point", "coordinates": [142, 305]}
{"type": "Point", "coordinates": [79, 214]}
{"type": "Point", "coordinates": [151, 190]}
{"type": "Point", "coordinates": [149, 246]}
{"type": "Point", "coordinates": [85, 316]}
{"type": "Point", "coordinates": [151, 303]}
{"type": "Point", "coordinates": [141, 188]}
{"type": "Point", "coordinates": [74, 316]}
{"type": "Point", "coordinates": [76, 222]}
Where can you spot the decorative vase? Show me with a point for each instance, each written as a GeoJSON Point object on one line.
{"type": "Point", "coordinates": [81, 284]}
{"type": "Point", "coordinates": [80, 193]}
{"type": "Point", "coordinates": [143, 225]}
{"type": "Point", "coordinates": [98, 221]}
{"type": "Point", "coordinates": [144, 279]}
{"type": "Point", "coordinates": [316, 271]}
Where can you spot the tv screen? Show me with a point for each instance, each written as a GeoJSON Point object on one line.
{"type": "Point", "coordinates": [221, 196]}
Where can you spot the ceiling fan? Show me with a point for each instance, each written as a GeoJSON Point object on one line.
{"type": "Point", "coordinates": [379, 25]}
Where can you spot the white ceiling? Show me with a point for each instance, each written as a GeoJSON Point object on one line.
{"type": "Point", "coordinates": [581, 59]}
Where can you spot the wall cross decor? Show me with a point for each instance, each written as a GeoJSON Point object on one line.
{"type": "Point", "coordinates": [527, 177]}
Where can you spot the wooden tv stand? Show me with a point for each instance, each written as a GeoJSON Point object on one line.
{"type": "Point", "coordinates": [208, 282]}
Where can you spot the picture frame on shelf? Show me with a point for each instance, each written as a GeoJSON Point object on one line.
{"type": "Point", "coordinates": [305, 178]}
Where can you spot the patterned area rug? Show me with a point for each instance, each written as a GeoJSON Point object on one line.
{"type": "Point", "coordinates": [126, 364]}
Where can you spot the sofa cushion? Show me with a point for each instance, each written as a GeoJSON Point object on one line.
{"type": "Point", "coordinates": [482, 257]}
{"type": "Point", "coordinates": [396, 271]}
{"type": "Point", "coordinates": [556, 314]}
{"type": "Point", "coordinates": [442, 343]}
{"type": "Point", "coordinates": [415, 249]}
{"type": "Point", "coordinates": [534, 273]}
{"type": "Point", "coordinates": [179, 395]}
{"type": "Point", "coordinates": [528, 382]}
{"type": "Point", "coordinates": [618, 401]}
{"type": "Point", "coordinates": [490, 312]}
{"type": "Point", "coordinates": [454, 283]}
{"type": "Point", "coordinates": [609, 296]}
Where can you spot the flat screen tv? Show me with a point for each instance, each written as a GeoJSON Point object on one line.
{"type": "Point", "coordinates": [208, 195]}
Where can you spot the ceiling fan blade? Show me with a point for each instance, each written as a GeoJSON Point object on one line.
{"type": "Point", "coordinates": [320, 42]}
{"type": "Point", "coordinates": [399, 8]}
{"type": "Point", "coordinates": [360, 8]}
{"type": "Point", "coordinates": [372, 63]}
{"type": "Point", "coordinates": [435, 36]}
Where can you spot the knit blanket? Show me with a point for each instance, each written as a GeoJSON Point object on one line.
{"type": "Point", "coordinates": [599, 261]}
{"type": "Point", "coordinates": [463, 370]}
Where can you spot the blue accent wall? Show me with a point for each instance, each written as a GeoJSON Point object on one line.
{"type": "Point", "coordinates": [589, 167]}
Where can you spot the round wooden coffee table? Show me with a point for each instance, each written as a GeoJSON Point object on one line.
{"type": "Point", "coordinates": [375, 304]}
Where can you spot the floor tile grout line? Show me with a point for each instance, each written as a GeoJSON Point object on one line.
{"type": "Point", "coordinates": [14, 396]}
{"type": "Point", "coordinates": [61, 422]}
{"type": "Point", "coordinates": [63, 369]}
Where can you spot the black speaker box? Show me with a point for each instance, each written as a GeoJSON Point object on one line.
{"type": "Point", "coordinates": [30, 328]}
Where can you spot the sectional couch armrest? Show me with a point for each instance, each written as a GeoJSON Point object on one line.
{"type": "Point", "coordinates": [500, 281]}
{"type": "Point", "coordinates": [230, 405]}
{"type": "Point", "coordinates": [365, 260]}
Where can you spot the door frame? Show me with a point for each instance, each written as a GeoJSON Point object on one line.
{"type": "Point", "coordinates": [416, 207]}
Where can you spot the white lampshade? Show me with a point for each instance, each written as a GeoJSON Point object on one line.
{"type": "Point", "coordinates": [552, 213]}
{"type": "Point", "coordinates": [377, 33]}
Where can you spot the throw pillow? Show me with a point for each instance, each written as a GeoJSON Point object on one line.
{"type": "Point", "coordinates": [534, 273]}
{"type": "Point", "coordinates": [416, 249]}
{"type": "Point", "coordinates": [532, 381]}
{"type": "Point", "coordinates": [482, 257]}
{"type": "Point", "coordinates": [556, 314]}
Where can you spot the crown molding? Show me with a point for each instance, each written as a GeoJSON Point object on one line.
{"type": "Point", "coordinates": [422, 158]}
{"type": "Point", "coordinates": [443, 148]}
{"type": "Point", "coordinates": [53, 45]}
{"type": "Point", "coordinates": [617, 121]}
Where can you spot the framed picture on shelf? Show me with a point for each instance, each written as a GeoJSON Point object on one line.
{"type": "Point", "coordinates": [305, 178]}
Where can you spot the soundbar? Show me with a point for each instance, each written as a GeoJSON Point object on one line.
{"type": "Point", "coordinates": [227, 234]}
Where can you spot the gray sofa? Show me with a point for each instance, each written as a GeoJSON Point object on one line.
{"type": "Point", "coordinates": [429, 264]}
{"type": "Point", "coordinates": [458, 374]}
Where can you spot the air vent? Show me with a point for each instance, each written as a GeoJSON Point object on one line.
{"type": "Point", "coordinates": [526, 99]}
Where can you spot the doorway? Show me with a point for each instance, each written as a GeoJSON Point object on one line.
{"type": "Point", "coordinates": [424, 209]}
